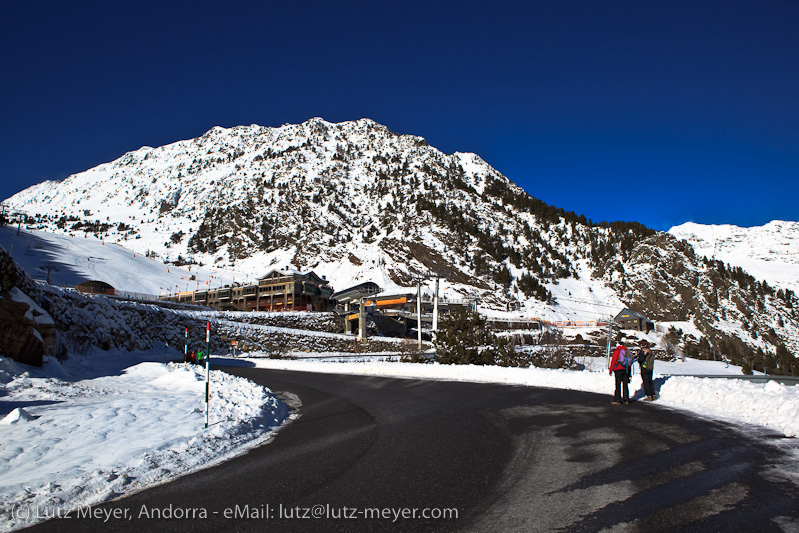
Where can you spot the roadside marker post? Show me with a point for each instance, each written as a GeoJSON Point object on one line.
{"type": "Point", "coordinates": [186, 345]}
{"type": "Point", "coordinates": [207, 368]}
{"type": "Point", "coordinates": [419, 312]}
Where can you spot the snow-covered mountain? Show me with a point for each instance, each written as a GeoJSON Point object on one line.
{"type": "Point", "coordinates": [769, 252]}
{"type": "Point", "coordinates": [356, 202]}
{"type": "Point", "coordinates": [353, 201]}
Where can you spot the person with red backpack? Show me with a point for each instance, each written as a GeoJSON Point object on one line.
{"type": "Point", "coordinates": [620, 365]}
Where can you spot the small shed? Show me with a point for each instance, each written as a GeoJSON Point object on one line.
{"type": "Point", "coordinates": [96, 287]}
{"type": "Point", "coordinates": [629, 319]}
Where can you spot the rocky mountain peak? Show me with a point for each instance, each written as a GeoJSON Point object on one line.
{"type": "Point", "coordinates": [357, 202]}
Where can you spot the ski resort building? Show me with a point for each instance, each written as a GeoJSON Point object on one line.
{"type": "Point", "coordinates": [394, 314]}
{"type": "Point", "coordinates": [629, 319]}
{"type": "Point", "coordinates": [344, 299]}
{"type": "Point", "coordinates": [279, 290]}
{"type": "Point", "coordinates": [96, 287]}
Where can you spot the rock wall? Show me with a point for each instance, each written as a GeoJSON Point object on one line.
{"type": "Point", "coordinates": [19, 340]}
{"type": "Point", "coordinates": [27, 332]}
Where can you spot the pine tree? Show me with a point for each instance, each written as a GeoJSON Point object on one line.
{"type": "Point", "coordinates": [464, 339]}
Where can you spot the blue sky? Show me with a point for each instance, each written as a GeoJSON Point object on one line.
{"type": "Point", "coordinates": [659, 112]}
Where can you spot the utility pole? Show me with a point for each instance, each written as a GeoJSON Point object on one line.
{"type": "Point", "coordinates": [435, 312]}
{"type": "Point", "coordinates": [610, 340]}
{"type": "Point", "coordinates": [362, 321]}
{"type": "Point", "coordinates": [419, 311]}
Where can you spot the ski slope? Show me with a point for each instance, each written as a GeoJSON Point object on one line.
{"type": "Point", "coordinates": [73, 260]}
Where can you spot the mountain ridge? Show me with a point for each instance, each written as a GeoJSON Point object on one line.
{"type": "Point", "coordinates": [357, 202]}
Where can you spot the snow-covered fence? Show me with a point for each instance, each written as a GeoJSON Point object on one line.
{"type": "Point", "coordinates": [124, 295]}
{"type": "Point", "coordinates": [140, 296]}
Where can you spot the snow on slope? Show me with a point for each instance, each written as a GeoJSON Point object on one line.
{"type": "Point", "coordinates": [91, 440]}
{"type": "Point", "coordinates": [225, 167]}
{"type": "Point", "coordinates": [769, 252]}
{"type": "Point", "coordinates": [79, 259]}
{"type": "Point", "coordinates": [159, 192]}
{"type": "Point", "coordinates": [335, 198]}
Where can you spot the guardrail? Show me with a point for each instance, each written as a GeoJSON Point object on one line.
{"type": "Point", "coordinates": [574, 324]}
{"type": "Point", "coordinates": [122, 295]}
{"type": "Point", "coordinates": [758, 378]}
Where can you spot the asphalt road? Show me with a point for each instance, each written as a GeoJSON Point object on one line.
{"type": "Point", "coordinates": [479, 457]}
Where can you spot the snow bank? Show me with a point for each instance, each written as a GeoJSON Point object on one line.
{"type": "Point", "coordinates": [772, 405]}
{"type": "Point", "coordinates": [9, 369]}
{"type": "Point", "coordinates": [16, 416]}
{"type": "Point", "coordinates": [95, 439]}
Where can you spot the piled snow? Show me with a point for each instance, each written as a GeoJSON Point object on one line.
{"type": "Point", "coordinates": [16, 416]}
{"type": "Point", "coordinates": [95, 439]}
{"type": "Point", "coordinates": [9, 369]}
{"type": "Point", "coordinates": [771, 404]}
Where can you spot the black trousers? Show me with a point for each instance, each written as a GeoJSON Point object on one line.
{"type": "Point", "coordinates": [649, 385]}
{"type": "Point", "coordinates": [622, 392]}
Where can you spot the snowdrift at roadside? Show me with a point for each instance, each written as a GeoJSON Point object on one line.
{"type": "Point", "coordinates": [96, 439]}
{"type": "Point", "coordinates": [771, 404]}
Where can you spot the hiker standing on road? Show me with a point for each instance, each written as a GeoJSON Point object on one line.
{"type": "Point", "coordinates": [619, 367]}
{"type": "Point", "coordinates": [646, 360]}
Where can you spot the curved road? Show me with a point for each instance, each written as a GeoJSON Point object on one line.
{"type": "Point", "coordinates": [505, 458]}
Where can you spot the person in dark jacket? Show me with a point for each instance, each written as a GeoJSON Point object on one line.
{"type": "Point", "coordinates": [646, 360]}
{"type": "Point", "coordinates": [621, 372]}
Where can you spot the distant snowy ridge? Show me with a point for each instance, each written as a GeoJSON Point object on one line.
{"type": "Point", "coordinates": [769, 252]}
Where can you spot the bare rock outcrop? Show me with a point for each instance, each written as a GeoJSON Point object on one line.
{"type": "Point", "coordinates": [27, 332]}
